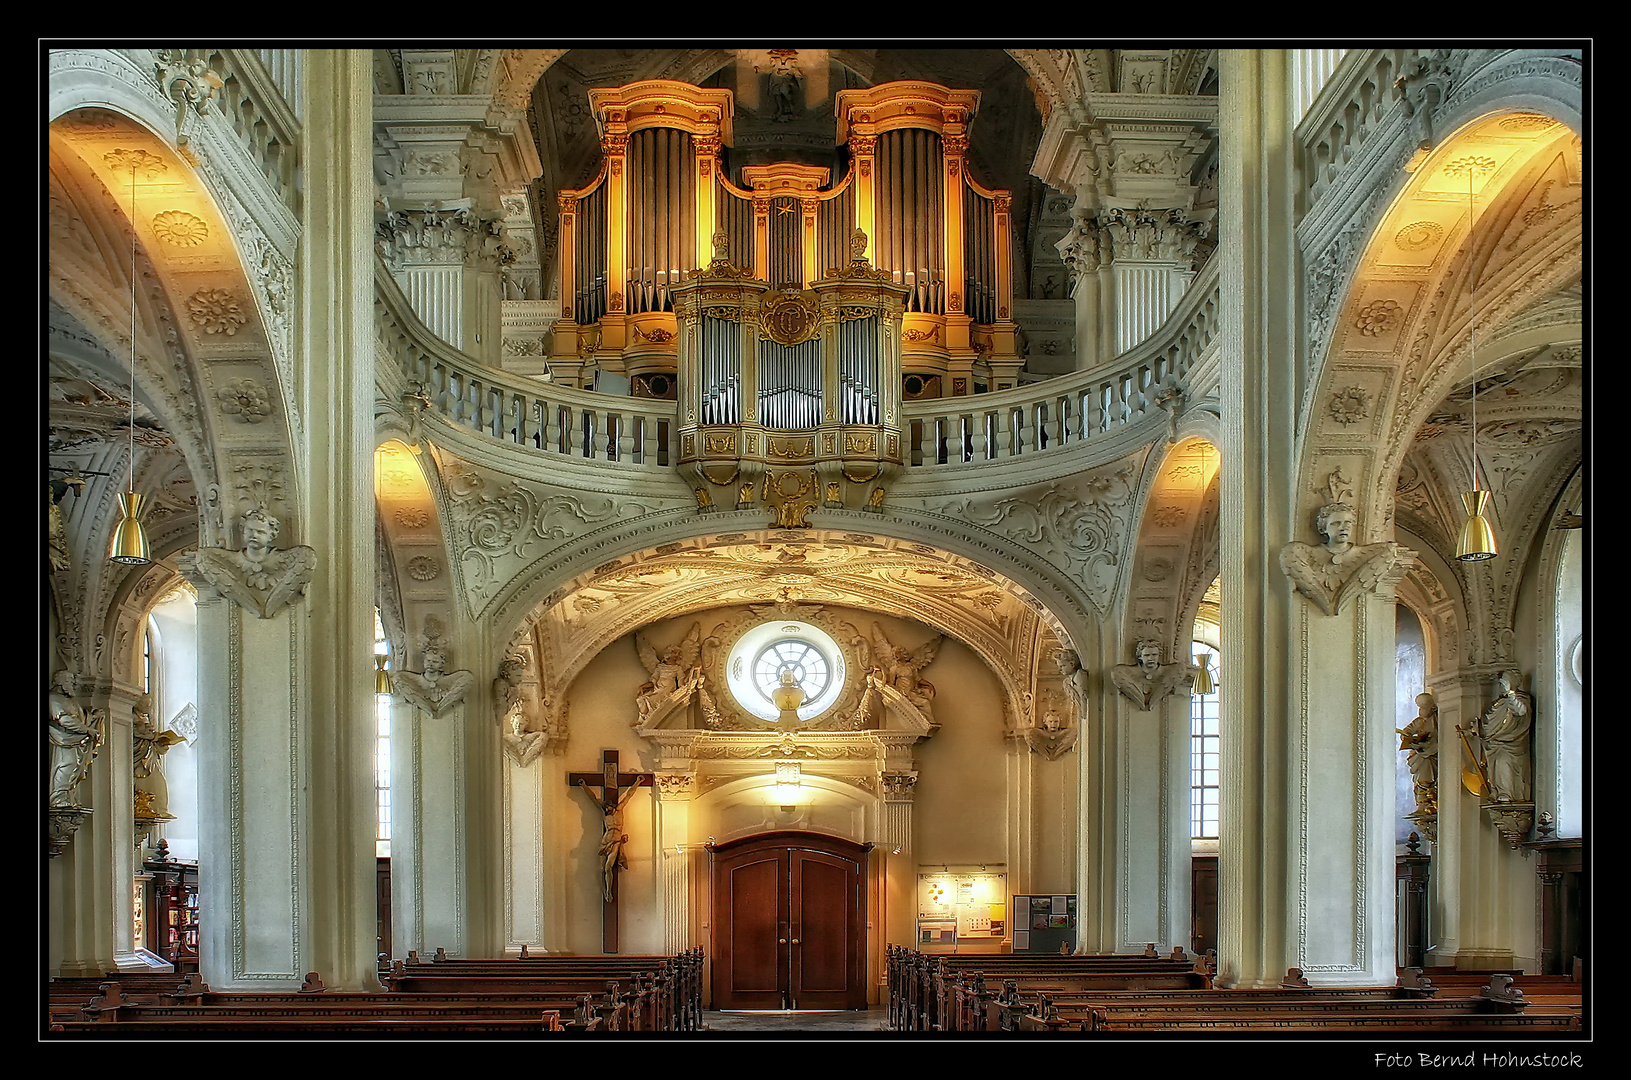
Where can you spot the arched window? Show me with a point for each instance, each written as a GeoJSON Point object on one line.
{"type": "Point", "coordinates": [1568, 634]}
{"type": "Point", "coordinates": [1203, 750]}
{"type": "Point", "coordinates": [382, 753]}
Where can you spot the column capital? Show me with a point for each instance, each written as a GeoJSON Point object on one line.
{"type": "Point", "coordinates": [1128, 146]}
{"type": "Point", "coordinates": [676, 786]}
{"type": "Point", "coordinates": [455, 236]}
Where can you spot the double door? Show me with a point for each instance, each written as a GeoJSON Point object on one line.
{"type": "Point", "coordinates": [789, 927]}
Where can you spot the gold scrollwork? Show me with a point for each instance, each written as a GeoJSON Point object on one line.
{"type": "Point", "coordinates": [858, 476]}
{"type": "Point", "coordinates": [859, 444]}
{"type": "Point", "coordinates": [721, 481]}
{"type": "Point", "coordinates": [719, 444]}
{"type": "Point", "coordinates": [789, 448]}
{"type": "Point", "coordinates": [656, 335]}
{"type": "Point", "coordinates": [788, 318]}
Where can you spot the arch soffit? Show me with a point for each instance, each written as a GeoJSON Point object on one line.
{"type": "Point", "coordinates": [512, 80]}
{"type": "Point", "coordinates": [1399, 341]}
{"type": "Point", "coordinates": [218, 388]}
{"type": "Point", "coordinates": [422, 585]}
{"type": "Point", "coordinates": [1177, 544]}
{"type": "Point", "coordinates": [992, 615]}
{"type": "Point", "coordinates": [1433, 591]}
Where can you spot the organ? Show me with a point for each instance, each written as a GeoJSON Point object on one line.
{"type": "Point", "coordinates": [788, 314]}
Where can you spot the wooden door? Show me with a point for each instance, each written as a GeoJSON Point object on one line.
{"type": "Point", "coordinates": [789, 927]}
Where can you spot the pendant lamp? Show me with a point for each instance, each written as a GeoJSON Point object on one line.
{"type": "Point", "coordinates": [1203, 678]}
{"type": "Point", "coordinates": [1476, 541]}
{"type": "Point", "coordinates": [129, 538]}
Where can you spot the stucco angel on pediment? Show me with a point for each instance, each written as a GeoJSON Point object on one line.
{"type": "Point", "coordinates": [676, 673]}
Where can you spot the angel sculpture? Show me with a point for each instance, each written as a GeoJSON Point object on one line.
{"type": "Point", "coordinates": [434, 689]}
{"type": "Point", "coordinates": [523, 745]}
{"type": "Point", "coordinates": [902, 669]}
{"type": "Point", "coordinates": [1333, 573]}
{"type": "Point", "coordinates": [675, 673]}
{"type": "Point", "coordinates": [507, 688]}
{"type": "Point", "coordinates": [258, 577]}
{"type": "Point", "coordinates": [1149, 680]}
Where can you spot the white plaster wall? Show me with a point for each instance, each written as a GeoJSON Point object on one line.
{"type": "Point", "coordinates": [958, 802]}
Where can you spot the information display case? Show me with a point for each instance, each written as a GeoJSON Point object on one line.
{"type": "Point", "coordinates": [961, 908]}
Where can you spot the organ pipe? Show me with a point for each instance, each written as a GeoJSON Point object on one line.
{"type": "Point", "coordinates": [661, 216]}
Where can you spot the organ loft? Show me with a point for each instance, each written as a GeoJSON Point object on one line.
{"type": "Point", "coordinates": [781, 306]}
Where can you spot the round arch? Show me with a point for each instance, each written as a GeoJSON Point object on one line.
{"type": "Point", "coordinates": [1401, 340]}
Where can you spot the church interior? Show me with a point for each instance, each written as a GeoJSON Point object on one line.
{"type": "Point", "coordinates": [808, 511]}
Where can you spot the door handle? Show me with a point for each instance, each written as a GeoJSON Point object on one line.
{"type": "Point", "coordinates": [781, 941]}
{"type": "Point", "coordinates": [795, 941]}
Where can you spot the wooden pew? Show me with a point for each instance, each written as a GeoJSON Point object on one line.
{"type": "Point", "coordinates": [112, 1011]}
{"type": "Point", "coordinates": [664, 992]}
{"type": "Point", "coordinates": [1409, 1006]}
{"type": "Point", "coordinates": [925, 993]}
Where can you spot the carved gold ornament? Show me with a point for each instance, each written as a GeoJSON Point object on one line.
{"type": "Point", "coordinates": [789, 318]}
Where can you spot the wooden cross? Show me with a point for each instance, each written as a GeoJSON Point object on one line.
{"type": "Point", "coordinates": [610, 803]}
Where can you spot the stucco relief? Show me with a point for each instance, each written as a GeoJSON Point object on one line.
{"type": "Point", "coordinates": [1331, 574]}
{"type": "Point", "coordinates": [1080, 524]}
{"type": "Point", "coordinates": [433, 688]}
{"type": "Point", "coordinates": [257, 577]}
{"type": "Point", "coordinates": [496, 524]}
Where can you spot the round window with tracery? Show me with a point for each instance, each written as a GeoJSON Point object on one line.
{"type": "Point", "coordinates": [807, 653]}
{"type": "Point", "coordinates": [808, 665]}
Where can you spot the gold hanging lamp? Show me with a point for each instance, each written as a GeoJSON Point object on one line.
{"type": "Point", "coordinates": [129, 544]}
{"type": "Point", "coordinates": [1476, 541]}
{"type": "Point", "coordinates": [1203, 678]}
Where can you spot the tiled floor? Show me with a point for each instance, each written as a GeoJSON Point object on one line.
{"type": "Point", "coordinates": [775, 1021]}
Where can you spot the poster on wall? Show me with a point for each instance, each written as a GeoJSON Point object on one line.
{"type": "Point", "coordinates": [1048, 922]}
{"type": "Point", "coordinates": [958, 908]}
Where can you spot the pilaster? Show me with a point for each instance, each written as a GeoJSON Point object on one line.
{"type": "Point", "coordinates": [1128, 158]}
{"type": "Point", "coordinates": [335, 314]}
{"type": "Point", "coordinates": [1257, 337]}
{"type": "Point", "coordinates": [453, 218]}
{"type": "Point", "coordinates": [255, 890]}
{"type": "Point", "coordinates": [429, 848]}
{"type": "Point", "coordinates": [674, 794]}
{"type": "Point", "coordinates": [531, 896]}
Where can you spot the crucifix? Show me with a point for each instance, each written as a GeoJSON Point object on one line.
{"type": "Point", "coordinates": [613, 796]}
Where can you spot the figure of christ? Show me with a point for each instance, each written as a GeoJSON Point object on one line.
{"type": "Point", "coordinates": [612, 838]}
